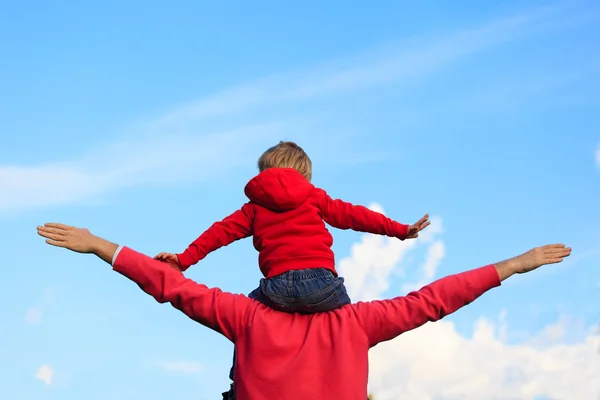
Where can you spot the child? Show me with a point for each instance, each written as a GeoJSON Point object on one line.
{"type": "Point", "coordinates": [286, 216]}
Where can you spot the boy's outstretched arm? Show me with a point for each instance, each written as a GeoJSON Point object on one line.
{"type": "Point", "coordinates": [343, 215]}
{"type": "Point", "coordinates": [235, 227]}
{"type": "Point", "coordinates": [385, 319]}
{"type": "Point", "coordinates": [222, 312]}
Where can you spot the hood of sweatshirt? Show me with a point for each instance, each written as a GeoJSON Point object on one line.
{"type": "Point", "coordinates": [279, 189]}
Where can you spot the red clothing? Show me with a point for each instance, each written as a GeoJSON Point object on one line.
{"type": "Point", "coordinates": [286, 215]}
{"type": "Point", "coordinates": [289, 356]}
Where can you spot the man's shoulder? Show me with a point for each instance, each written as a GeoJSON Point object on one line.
{"type": "Point", "coordinates": [345, 315]}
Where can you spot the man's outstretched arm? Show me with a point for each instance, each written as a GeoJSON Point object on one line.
{"type": "Point", "coordinates": [384, 320]}
{"type": "Point", "coordinates": [222, 312]}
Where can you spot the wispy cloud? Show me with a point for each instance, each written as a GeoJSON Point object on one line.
{"type": "Point", "coordinates": [45, 374]}
{"type": "Point", "coordinates": [33, 316]}
{"type": "Point", "coordinates": [598, 156]}
{"type": "Point", "coordinates": [180, 366]}
{"type": "Point", "coordinates": [167, 159]}
{"type": "Point", "coordinates": [229, 128]}
{"type": "Point", "coordinates": [399, 62]}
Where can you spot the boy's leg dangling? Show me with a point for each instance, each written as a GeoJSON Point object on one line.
{"type": "Point", "coordinates": [230, 395]}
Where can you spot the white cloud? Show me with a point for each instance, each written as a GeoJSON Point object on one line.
{"type": "Point", "coordinates": [598, 156]}
{"type": "Point", "coordinates": [372, 260]}
{"type": "Point", "coordinates": [435, 255]}
{"type": "Point", "coordinates": [33, 316]}
{"type": "Point", "coordinates": [436, 362]}
{"type": "Point", "coordinates": [181, 146]}
{"type": "Point", "coordinates": [180, 366]}
{"type": "Point", "coordinates": [45, 374]}
{"type": "Point", "coordinates": [370, 264]}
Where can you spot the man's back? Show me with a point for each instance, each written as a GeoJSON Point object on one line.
{"type": "Point", "coordinates": [297, 356]}
{"type": "Point", "coordinates": [262, 333]}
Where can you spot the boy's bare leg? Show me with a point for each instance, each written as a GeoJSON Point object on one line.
{"type": "Point", "coordinates": [77, 239]}
{"type": "Point", "coordinates": [533, 259]}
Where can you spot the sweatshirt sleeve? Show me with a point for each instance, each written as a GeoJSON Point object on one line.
{"type": "Point", "coordinates": [385, 319]}
{"type": "Point", "coordinates": [222, 312]}
{"type": "Point", "coordinates": [235, 227]}
{"type": "Point", "coordinates": [343, 215]}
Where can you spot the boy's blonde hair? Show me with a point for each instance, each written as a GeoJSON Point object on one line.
{"type": "Point", "coordinates": [286, 155]}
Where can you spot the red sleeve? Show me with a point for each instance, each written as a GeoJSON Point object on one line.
{"type": "Point", "coordinates": [342, 215]}
{"type": "Point", "coordinates": [235, 227]}
{"type": "Point", "coordinates": [222, 312]}
{"type": "Point", "coordinates": [385, 319]}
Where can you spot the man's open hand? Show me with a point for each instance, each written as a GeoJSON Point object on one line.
{"type": "Point", "coordinates": [79, 240]}
{"type": "Point", "coordinates": [413, 230]}
{"type": "Point", "coordinates": [533, 259]}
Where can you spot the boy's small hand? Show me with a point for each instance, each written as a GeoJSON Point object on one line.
{"type": "Point", "coordinates": [413, 230]}
{"type": "Point", "coordinates": [170, 259]}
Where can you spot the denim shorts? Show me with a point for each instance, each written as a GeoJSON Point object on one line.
{"type": "Point", "coordinates": [303, 291]}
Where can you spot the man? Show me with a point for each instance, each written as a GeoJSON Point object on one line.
{"type": "Point", "coordinates": [285, 356]}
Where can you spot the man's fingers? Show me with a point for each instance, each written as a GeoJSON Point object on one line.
{"type": "Point", "coordinates": [555, 255]}
{"type": "Point", "coordinates": [56, 225]}
{"type": "Point", "coordinates": [558, 253]}
{"type": "Point", "coordinates": [50, 235]}
{"type": "Point", "coordinates": [554, 260]}
{"type": "Point", "coordinates": [56, 243]}
{"type": "Point", "coordinates": [554, 246]}
{"type": "Point", "coordinates": [557, 250]}
{"type": "Point", "coordinates": [51, 230]}
{"type": "Point", "coordinates": [56, 238]}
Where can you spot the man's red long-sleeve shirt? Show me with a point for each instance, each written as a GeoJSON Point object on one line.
{"type": "Point", "coordinates": [289, 356]}
{"type": "Point", "coordinates": [286, 216]}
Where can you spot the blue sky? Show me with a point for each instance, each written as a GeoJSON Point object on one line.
{"type": "Point", "coordinates": [143, 122]}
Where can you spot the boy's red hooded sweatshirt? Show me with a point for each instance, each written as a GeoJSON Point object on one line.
{"type": "Point", "coordinates": [286, 216]}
